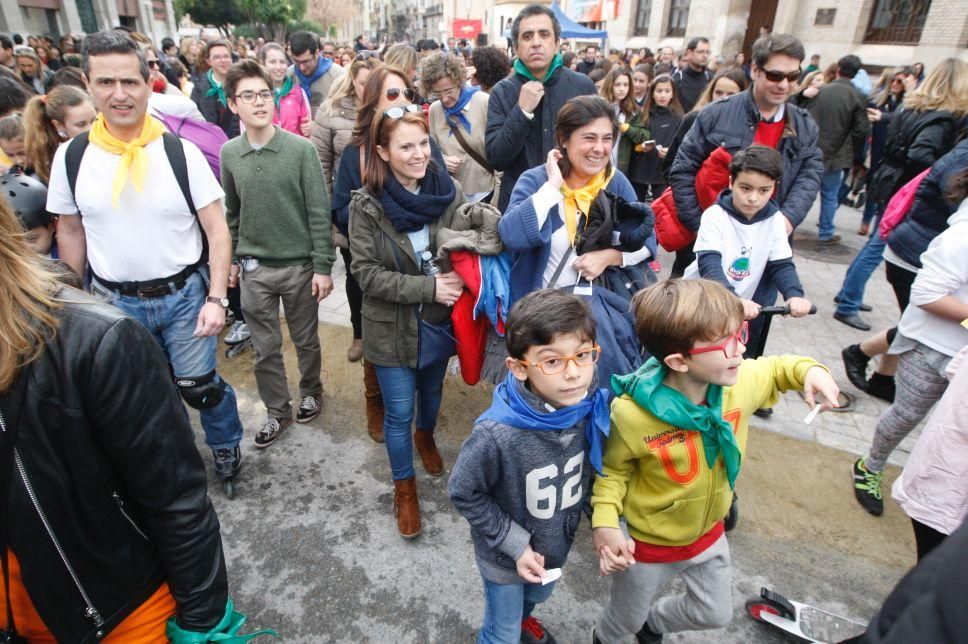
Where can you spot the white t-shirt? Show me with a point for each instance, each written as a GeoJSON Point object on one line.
{"type": "Point", "coordinates": [745, 248]}
{"type": "Point", "coordinates": [150, 234]}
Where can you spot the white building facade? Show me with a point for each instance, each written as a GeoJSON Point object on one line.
{"type": "Point", "coordinates": [155, 18]}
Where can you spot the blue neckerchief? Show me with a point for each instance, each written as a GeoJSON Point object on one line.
{"type": "Point", "coordinates": [457, 111]}
{"type": "Point", "coordinates": [509, 408]}
{"type": "Point", "coordinates": [307, 81]}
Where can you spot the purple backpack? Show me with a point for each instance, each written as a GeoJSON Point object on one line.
{"type": "Point", "coordinates": [209, 138]}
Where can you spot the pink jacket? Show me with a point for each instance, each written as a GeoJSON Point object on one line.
{"type": "Point", "coordinates": [933, 488]}
{"type": "Point", "coordinates": [293, 109]}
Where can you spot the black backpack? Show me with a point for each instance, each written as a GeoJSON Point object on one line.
{"type": "Point", "coordinates": [176, 158]}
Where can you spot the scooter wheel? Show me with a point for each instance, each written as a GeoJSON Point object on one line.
{"type": "Point", "coordinates": [754, 607]}
{"type": "Point", "coordinates": [229, 488]}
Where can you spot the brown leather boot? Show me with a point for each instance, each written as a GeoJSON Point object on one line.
{"type": "Point", "coordinates": [406, 507]}
{"type": "Point", "coordinates": [427, 448]}
{"type": "Point", "coordinates": [374, 402]}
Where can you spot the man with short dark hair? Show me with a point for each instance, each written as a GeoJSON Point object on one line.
{"type": "Point", "coordinates": [841, 114]}
{"type": "Point", "coordinates": [587, 63]}
{"type": "Point", "coordinates": [6, 52]}
{"type": "Point", "coordinates": [208, 93]}
{"type": "Point", "coordinates": [523, 107]}
{"type": "Point", "coordinates": [128, 214]}
{"type": "Point", "coordinates": [315, 74]}
{"type": "Point", "coordinates": [667, 56]}
{"type": "Point", "coordinates": [426, 47]}
{"type": "Point", "coordinates": [328, 50]}
{"type": "Point", "coordinates": [692, 79]}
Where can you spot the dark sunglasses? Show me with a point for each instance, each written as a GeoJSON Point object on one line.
{"type": "Point", "coordinates": [399, 111]}
{"type": "Point", "coordinates": [394, 93]}
{"type": "Point", "coordinates": [775, 77]}
{"type": "Point", "coordinates": [153, 64]}
{"type": "Point", "coordinates": [364, 55]}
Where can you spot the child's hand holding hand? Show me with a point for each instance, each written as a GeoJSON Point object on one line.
{"type": "Point", "coordinates": [799, 306]}
{"type": "Point", "coordinates": [750, 309]}
{"type": "Point", "coordinates": [615, 552]}
{"type": "Point", "coordinates": [530, 566]}
{"type": "Point", "coordinates": [819, 381]}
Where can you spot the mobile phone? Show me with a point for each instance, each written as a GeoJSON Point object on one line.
{"type": "Point", "coordinates": [649, 142]}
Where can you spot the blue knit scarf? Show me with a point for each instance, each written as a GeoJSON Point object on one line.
{"type": "Point", "coordinates": [307, 81]}
{"type": "Point", "coordinates": [409, 212]}
{"type": "Point", "coordinates": [457, 111]}
{"type": "Point", "coordinates": [510, 408]}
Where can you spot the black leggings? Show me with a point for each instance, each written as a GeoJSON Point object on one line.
{"type": "Point", "coordinates": [234, 295]}
{"type": "Point", "coordinates": [901, 280]}
{"type": "Point", "coordinates": [354, 296]}
{"type": "Point", "coordinates": [926, 538]}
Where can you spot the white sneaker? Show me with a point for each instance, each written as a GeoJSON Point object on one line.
{"type": "Point", "coordinates": [238, 334]}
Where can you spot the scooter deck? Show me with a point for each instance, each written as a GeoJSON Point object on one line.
{"type": "Point", "coordinates": [815, 624]}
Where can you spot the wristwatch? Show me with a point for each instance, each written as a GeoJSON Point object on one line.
{"type": "Point", "coordinates": [221, 301]}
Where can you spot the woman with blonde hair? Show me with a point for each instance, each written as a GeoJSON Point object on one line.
{"type": "Point", "coordinates": [403, 56]}
{"type": "Point", "coordinates": [809, 88]}
{"type": "Point", "coordinates": [458, 118]}
{"type": "Point", "coordinates": [617, 90]}
{"type": "Point", "coordinates": [331, 132]}
{"type": "Point", "coordinates": [49, 120]}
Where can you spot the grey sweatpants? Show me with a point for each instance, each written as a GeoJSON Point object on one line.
{"type": "Point", "coordinates": [919, 384]}
{"type": "Point", "coordinates": [262, 289]}
{"type": "Point", "coordinates": [707, 602]}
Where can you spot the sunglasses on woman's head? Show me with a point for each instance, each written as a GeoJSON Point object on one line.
{"type": "Point", "coordinates": [394, 93]}
{"type": "Point", "coordinates": [363, 55]}
{"type": "Point", "coordinates": [398, 111]}
{"type": "Point", "coordinates": [775, 77]}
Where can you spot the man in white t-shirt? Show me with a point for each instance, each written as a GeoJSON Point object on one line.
{"type": "Point", "coordinates": [129, 219]}
{"type": "Point", "coordinates": [742, 237]}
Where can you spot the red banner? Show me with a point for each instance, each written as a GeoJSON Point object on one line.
{"type": "Point", "coordinates": [467, 28]}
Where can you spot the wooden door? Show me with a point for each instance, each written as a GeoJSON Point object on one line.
{"type": "Point", "coordinates": [762, 12]}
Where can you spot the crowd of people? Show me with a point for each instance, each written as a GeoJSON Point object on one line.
{"type": "Point", "coordinates": [506, 210]}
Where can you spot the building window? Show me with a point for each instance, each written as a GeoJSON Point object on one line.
{"type": "Point", "coordinates": [159, 10]}
{"type": "Point", "coordinates": [678, 17]}
{"type": "Point", "coordinates": [643, 14]}
{"type": "Point", "coordinates": [897, 22]}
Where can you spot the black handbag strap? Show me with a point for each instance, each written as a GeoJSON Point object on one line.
{"type": "Point", "coordinates": [561, 266]}
{"type": "Point", "coordinates": [455, 130]}
{"type": "Point", "coordinates": [11, 403]}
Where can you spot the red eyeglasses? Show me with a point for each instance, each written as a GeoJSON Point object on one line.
{"type": "Point", "coordinates": [729, 345]}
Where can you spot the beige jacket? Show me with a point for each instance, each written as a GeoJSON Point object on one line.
{"type": "Point", "coordinates": [471, 175]}
{"type": "Point", "coordinates": [330, 134]}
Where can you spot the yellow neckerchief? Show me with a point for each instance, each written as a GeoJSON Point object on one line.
{"type": "Point", "coordinates": [581, 199]}
{"type": "Point", "coordinates": [134, 160]}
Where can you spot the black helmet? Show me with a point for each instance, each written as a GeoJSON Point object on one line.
{"type": "Point", "coordinates": [28, 198]}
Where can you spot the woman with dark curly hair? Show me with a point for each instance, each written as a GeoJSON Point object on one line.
{"type": "Point", "coordinates": [491, 65]}
{"type": "Point", "coordinates": [458, 118]}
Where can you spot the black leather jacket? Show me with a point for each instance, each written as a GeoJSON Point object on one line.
{"type": "Point", "coordinates": [106, 465]}
{"type": "Point", "coordinates": [731, 123]}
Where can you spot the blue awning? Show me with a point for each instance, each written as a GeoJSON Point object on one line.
{"type": "Point", "coordinates": [569, 28]}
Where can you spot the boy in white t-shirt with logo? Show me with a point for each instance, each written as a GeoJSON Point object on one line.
{"type": "Point", "coordinates": [742, 237]}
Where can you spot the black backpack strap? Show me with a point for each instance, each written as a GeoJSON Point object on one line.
{"type": "Point", "coordinates": [175, 152]}
{"type": "Point", "coordinates": [72, 160]}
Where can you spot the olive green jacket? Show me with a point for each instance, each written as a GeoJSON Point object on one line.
{"type": "Point", "coordinates": [637, 133]}
{"type": "Point", "coordinates": [389, 294]}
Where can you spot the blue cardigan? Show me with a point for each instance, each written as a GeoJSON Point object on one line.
{"type": "Point", "coordinates": [531, 246]}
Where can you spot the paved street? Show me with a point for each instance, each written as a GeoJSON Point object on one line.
{"type": "Point", "coordinates": [313, 551]}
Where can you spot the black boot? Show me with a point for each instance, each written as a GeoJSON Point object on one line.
{"type": "Point", "coordinates": [855, 364]}
{"type": "Point", "coordinates": [881, 386]}
{"type": "Point", "coordinates": [647, 636]}
{"type": "Point", "coordinates": [732, 517]}
{"type": "Point", "coordinates": [228, 462]}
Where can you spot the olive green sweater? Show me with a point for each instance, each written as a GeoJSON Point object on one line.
{"type": "Point", "coordinates": [276, 203]}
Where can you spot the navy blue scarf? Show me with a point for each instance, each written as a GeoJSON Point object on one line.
{"type": "Point", "coordinates": [409, 212]}
{"type": "Point", "coordinates": [307, 81]}
{"type": "Point", "coordinates": [510, 408]}
{"type": "Point", "coordinates": [457, 111]}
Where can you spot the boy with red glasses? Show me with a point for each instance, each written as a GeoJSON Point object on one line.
{"type": "Point", "coordinates": [678, 432]}
{"type": "Point", "coordinates": [524, 474]}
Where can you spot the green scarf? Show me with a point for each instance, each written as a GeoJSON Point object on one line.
{"type": "Point", "coordinates": [646, 388]}
{"type": "Point", "coordinates": [556, 62]}
{"type": "Point", "coordinates": [216, 89]}
{"type": "Point", "coordinates": [277, 94]}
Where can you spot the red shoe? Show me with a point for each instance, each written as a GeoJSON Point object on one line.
{"type": "Point", "coordinates": [533, 632]}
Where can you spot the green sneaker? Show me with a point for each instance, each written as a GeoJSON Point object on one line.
{"type": "Point", "coordinates": [867, 488]}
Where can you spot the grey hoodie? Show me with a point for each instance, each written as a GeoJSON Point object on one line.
{"type": "Point", "coordinates": [521, 486]}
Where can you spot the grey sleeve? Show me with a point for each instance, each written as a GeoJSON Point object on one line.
{"type": "Point", "coordinates": [475, 473]}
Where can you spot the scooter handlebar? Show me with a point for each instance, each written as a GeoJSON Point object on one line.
{"type": "Point", "coordinates": [782, 310]}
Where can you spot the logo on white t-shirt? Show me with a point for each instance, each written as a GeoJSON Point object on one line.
{"type": "Point", "coordinates": [739, 268]}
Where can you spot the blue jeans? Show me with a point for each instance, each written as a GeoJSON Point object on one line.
{"type": "Point", "coordinates": [829, 200]}
{"type": "Point", "coordinates": [171, 320]}
{"type": "Point", "coordinates": [505, 607]}
{"type": "Point", "coordinates": [403, 389]}
{"type": "Point", "coordinates": [869, 257]}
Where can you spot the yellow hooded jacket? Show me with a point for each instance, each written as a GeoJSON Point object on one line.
{"type": "Point", "coordinates": [656, 475]}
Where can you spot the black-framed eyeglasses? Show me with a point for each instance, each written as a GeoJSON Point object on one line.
{"type": "Point", "coordinates": [364, 55]}
{"type": "Point", "coordinates": [775, 76]}
{"type": "Point", "coordinates": [394, 93]}
{"type": "Point", "coordinates": [399, 111]}
{"type": "Point", "coordinates": [249, 96]}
